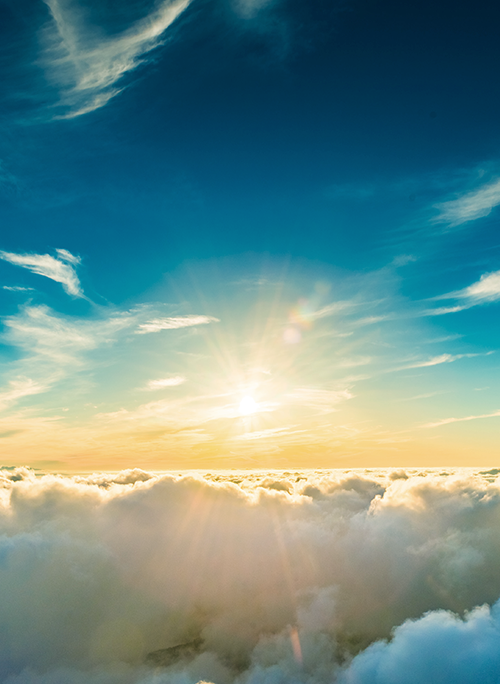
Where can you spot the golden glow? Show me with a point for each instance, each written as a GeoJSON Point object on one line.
{"type": "Point", "coordinates": [247, 406]}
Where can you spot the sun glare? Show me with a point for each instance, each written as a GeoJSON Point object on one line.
{"type": "Point", "coordinates": [247, 406]}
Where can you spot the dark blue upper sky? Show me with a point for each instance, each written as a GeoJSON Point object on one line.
{"type": "Point", "coordinates": [319, 130]}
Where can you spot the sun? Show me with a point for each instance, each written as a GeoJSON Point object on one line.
{"type": "Point", "coordinates": [247, 406]}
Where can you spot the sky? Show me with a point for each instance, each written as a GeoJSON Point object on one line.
{"type": "Point", "coordinates": [249, 234]}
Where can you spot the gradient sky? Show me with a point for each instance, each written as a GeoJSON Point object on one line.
{"type": "Point", "coordinates": [291, 201]}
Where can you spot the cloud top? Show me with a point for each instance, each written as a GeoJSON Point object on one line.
{"type": "Point", "coordinates": [250, 576]}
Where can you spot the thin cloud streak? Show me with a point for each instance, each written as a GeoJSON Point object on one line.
{"type": "Point", "coordinates": [165, 382]}
{"type": "Point", "coordinates": [16, 288]}
{"type": "Point", "coordinates": [446, 421]}
{"type": "Point", "coordinates": [88, 67]}
{"type": "Point", "coordinates": [173, 323]}
{"type": "Point", "coordinates": [437, 360]}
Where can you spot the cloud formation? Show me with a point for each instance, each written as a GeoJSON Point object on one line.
{"type": "Point", "coordinates": [471, 206]}
{"type": "Point", "coordinates": [87, 65]}
{"type": "Point", "coordinates": [60, 268]}
{"type": "Point", "coordinates": [246, 577]}
{"type": "Point", "coordinates": [483, 291]}
{"type": "Point", "coordinates": [173, 323]}
{"type": "Point", "coordinates": [165, 382]}
{"type": "Point", "coordinates": [446, 421]}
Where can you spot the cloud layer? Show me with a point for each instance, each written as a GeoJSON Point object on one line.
{"type": "Point", "coordinates": [349, 577]}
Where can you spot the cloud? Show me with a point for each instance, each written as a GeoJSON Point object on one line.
{"type": "Point", "coordinates": [87, 65]}
{"type": "Point", "coordinates": [486, 289]}
{"type": "Point", "coordinates": [59, 269]}
{"type": "Point", "coordinates": [437, 360]}
{"type": "Point", "coordinates": [483, 291]}
{"type": "Point", "coordinates": [323, 400]}
{"type": "Point", "coordinates": [19, 388]}
{"type": "Point", "coordinates": [252, 576]}
{"type": "Point", "coordinates": [446, 421]}
{"type": "Point", "coordinates": [469, 207]}
{"type": "Point", "coordinates": [17, 288]}
{"type": "Point", "coordinates": [173, 323]}
{"type": "Point", "coordinates": [165, 382]}
{"type": "Point", "coordinates": [439, 647]}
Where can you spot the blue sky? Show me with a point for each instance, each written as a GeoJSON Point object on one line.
{"type": "Point", "coordinates": [302, 196]}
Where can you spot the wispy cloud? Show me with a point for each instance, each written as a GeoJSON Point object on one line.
{"type": "Point", "coordinates": [269, 433]}
{"type": "Point", "coordinates": [421, 396]}
{"type": "Point", "coordinates": [446, 421]}
{"type": "Point", "coordinates": [19, 388]}
{"type": "Point", "coordinates": [320, 399]}
{"type": "Point", "coordinates": [17, 288]}
{"type": "Point", "coordinates": [87, 66]}
{"type": "Point", "coordinates": [174, 322]}
{"type": "Point", "coordinates": [469, 207]}
{"type": "Point", "coordinates": [165, 382]}
{"type": "Point", "coordinates": [437, 360]}
{"type": "Point", "coordinates": [484, 291]}
{"type": "Point", "coordinates": [48, 336]}
{"type": "Point", "coordinates": [60, 268]}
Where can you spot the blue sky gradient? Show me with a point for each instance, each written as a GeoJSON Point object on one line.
{"type": "Point", "coordinates": [301, 196]}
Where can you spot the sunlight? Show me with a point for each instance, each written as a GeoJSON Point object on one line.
{"type": "Point", "coordinates": [247, 406]}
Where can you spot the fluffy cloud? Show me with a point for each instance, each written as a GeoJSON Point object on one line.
{"type": "Point", "coordinates": [249, 577]}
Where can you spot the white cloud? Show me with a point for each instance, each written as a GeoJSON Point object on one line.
{"type": "Point", "coordinates": [471, 206]}
{"type": "Point", "coordinates": [484, 291]}
{"type": "Point", "coordinates": [67, 256]}
{"type": "Point", "coordinates": [173, 323]}
{"type": "Point", "coordinates": [269, 433]}
{"type": "Point", "coordinates": [87, 66]}
{"type": "Point", "coordinates": [17, 288]}
{"type": "Point", "coordinates": [18, 389]}
{"type": "Point", "coordinates": [53, 345]}
{"type": "Point", "coordinates": [165, 382]}
{"type": "Point", "coordinates": [59, 269]}
{"type": "Point", "coordinates": [250, 576]}
{"type": "Point", "coordinates": [446, 421]}
{"type": "Point", "coordinates": [439, 647]}
{"type": "Point", "coordinates": [437, 360]}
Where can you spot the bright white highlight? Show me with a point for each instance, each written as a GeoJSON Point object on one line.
{"type": "Point", "coordinates": [247, 406]}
